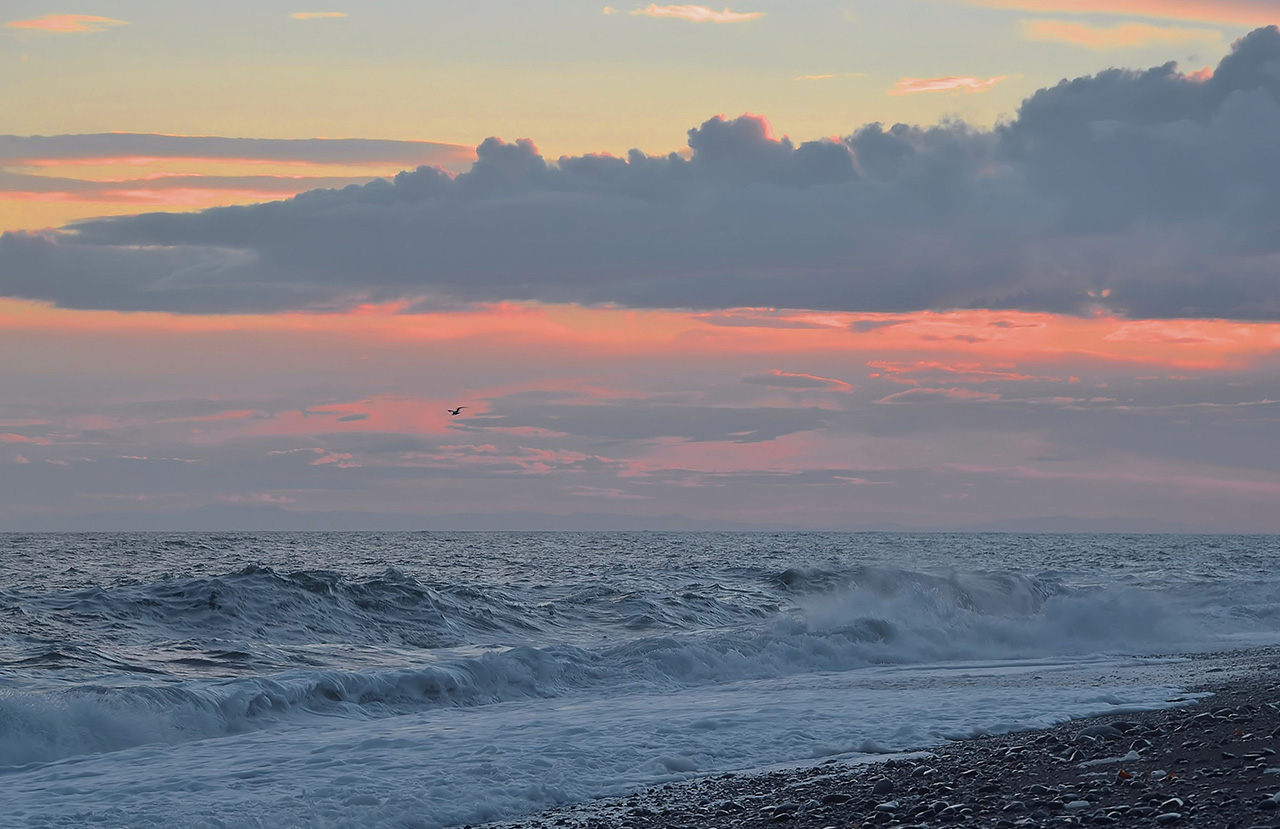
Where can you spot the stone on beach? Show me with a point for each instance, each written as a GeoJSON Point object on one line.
{"type": "Point", "coordinates": [1168, 771]}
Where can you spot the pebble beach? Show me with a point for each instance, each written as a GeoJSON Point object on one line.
{"type": "Point", "coordinates": [1209, 761]}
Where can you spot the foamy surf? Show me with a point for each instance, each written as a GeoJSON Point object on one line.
{"type": "Point", "coordinates": [434, 691]}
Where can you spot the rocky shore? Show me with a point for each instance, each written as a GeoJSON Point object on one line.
{"type": "Point", "coordinates": [1211, 762]}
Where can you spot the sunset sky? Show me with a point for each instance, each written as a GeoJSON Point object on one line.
{"type": "Point", "coordinates": [818, 264]}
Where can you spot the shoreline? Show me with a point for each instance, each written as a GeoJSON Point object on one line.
{"type": "Point", "coordinates": [1212, 762]}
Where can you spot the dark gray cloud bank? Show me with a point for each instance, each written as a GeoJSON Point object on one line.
{"type": "Point", "coordinates": [1150, 193]}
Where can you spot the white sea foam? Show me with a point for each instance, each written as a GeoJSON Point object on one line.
{"type": "Point", "coordinates": [841, 631]}
{"type": "Point", "coordinates": [447, 766]}
{"type": "Point", "coordinates": [443, 691]}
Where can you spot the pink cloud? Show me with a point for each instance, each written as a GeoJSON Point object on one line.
{"type": "Point", "coordinates": [951, 83]}
{"type": "Point", "coordinates": [696, 14]}
{"type": "Point", "coordinates": [317, 15]}
{"type": "Point", "coordinates": [1226, 12]}
{"type": "Point", "coordinates": [12, 438]}
{"type": "Point", "coordinates": [1124, 36]}
{"type": "Point", "coordinates": [342, 460]}
{"type": "Point", "coordinates": [67, 23]}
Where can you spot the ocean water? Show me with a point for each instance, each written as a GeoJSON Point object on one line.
{"type": "Point", "coordinates": [433, 679]}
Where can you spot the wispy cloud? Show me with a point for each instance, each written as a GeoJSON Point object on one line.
{"type": "Point", "coordinates": [316, 15]}
{"type": "Point", "coordinates": [63, 23]}
{"type": "Point", "coordinates": [937, 395]}
{"type": "Point", "coordinates": [1225, 12]}
{"type": "Point", "coordinates": [195, 171]}
{"type": "Point", "coordinates": [694, 14]}
{"type": "Point", "coordinates": [133, 148]}
{"type": "Point", "coordinates": [13, 438]}
{"type": "Point", "coordinates": [953, 83]}
{"type": "Point", "coordinates": [788, 380]}
{"type": "Point", "coordinates": [1124, 36]}
{"type": "Point", "coordinates": [814, 77]}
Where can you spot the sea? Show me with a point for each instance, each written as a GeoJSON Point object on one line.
{"type": "Point", "coordinates": [422, 680]}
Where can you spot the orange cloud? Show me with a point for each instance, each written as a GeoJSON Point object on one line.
{"type": "Point", "coordinates": [1225, 12]}
{"type": "Point", "coordinates": [696, 14]}
{"type": "Point", "coordinates": [63, 23]}
{"type": "Point", "coordinates": [316, 15]}
{"type": "Point", "coordinates": [1124, 36]}
{"type": "Point", "coordinates": [542, 331]}
{"type": "Point", "coordinates": [911, 86]}
{"type": "Point", "coordinates": [50, 181]}
{"type": "Point", "coordinates": [177, 197]}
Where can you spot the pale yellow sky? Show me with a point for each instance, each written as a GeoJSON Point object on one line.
{"type": "Point", "coordinates": [569, 77]}
{"type": "Point", "coordinates": [563, 73]}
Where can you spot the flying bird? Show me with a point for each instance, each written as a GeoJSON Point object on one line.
{"type": "Point", "coordinates": [455, 412]}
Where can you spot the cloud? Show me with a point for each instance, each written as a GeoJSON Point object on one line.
{"type": "Point", "coordinates": [134, 148]}
{"type": "Point", "coordinates": [196, 171]}
{"type": "Point", "coordinates": [15, 438]}
{"type": "Point", "coordinates": [1124, 36]}
{"type": "Point", "coordinates": [694, 14]}
{"type": "Point", "coordinates": [912, 86]}
{"type": "Point", "coordinates": [865, 326]}
{"type": "Point", "coordinates": [786, 380]}
{"type": "Point", "coordinates": [644, 420]}
{"type": "Point", "coordinates": [1150, 193]}
{"type": "Point", "coordinates": [316, 15]}
{"type": "Point", "coordinates": [938, 396]}
{"type": "Point", "coordinates": [65, 23]}
{"type": "Point", "coordinates": [162, 190]}
{"type": "Point", "coordinates": [1225, 12]}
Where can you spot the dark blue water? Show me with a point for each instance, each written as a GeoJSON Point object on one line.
{"type": "Point", "coordinates": [529, 668]}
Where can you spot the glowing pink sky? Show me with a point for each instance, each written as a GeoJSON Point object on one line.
{"type": "Point", "coordinates": [929, 287]}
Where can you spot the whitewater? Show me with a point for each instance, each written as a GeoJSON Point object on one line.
{"type": "Point", "coordinates": [441, 679]}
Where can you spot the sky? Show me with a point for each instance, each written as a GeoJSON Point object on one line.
{"type": "Point", "coordinates": [921, 264]}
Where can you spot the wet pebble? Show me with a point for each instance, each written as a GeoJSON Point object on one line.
{"type": "Point", "coordinates": [1098, 732]}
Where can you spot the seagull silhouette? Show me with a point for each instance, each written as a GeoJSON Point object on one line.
{"type": "Point", "coordinates": [455, 412]}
